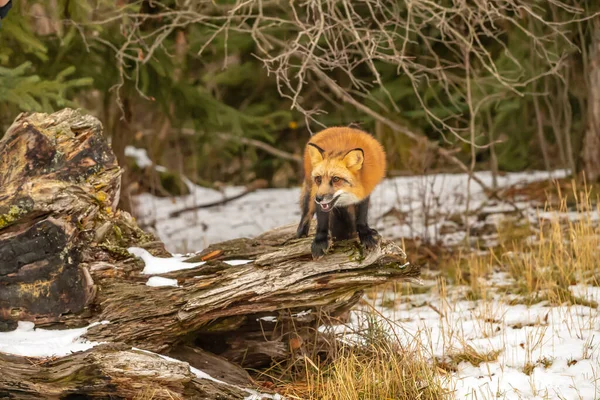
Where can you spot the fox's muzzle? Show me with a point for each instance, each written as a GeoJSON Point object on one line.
{"type": "Point", "coordinates": [326, 202]}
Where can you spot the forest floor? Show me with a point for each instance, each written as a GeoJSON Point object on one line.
{"type": "Point", "coordinates": [507, 306]}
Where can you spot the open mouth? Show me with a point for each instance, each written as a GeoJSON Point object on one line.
{"type": "Point", "coordinates": [326, 207]}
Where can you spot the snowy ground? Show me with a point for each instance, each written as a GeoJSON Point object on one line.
{"type": "Point", "coordinates": [418, 206]}
{"type": "Point", "coordinates": [545, 352]}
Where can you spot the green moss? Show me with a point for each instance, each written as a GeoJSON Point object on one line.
{"type": "Point", "coordinates": [116, 250]}
{"type": "Point", "coordinates": [13, 215]}
{"type": "Point", "coordinates": [118, 233]}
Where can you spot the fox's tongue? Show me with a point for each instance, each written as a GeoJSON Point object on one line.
{"type": "Point", "coordinates": [325, 207]}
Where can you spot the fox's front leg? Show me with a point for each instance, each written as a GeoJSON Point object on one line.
{"type": "Point", "coordinates": [368, 237]}
{"type": "Point", "coordinates": [307, 212]}
{"type": "Point", "coordinates": [321, 241]}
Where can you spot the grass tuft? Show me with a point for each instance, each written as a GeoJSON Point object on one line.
{"type": "Point", "coordinates": [564, 251]}
{"type": "Point", "coordinates": [374, 366]}
{"type": "Point", "coordinates": [384, 371]}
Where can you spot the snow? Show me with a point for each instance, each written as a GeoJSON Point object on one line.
{"type": "Point", "coordinates": [557, 345]}
{"type": "Point", "coordinates": [566, 336]}
{"type": "Point", "coordinates": [139, 155]}
{"type": "Point", "coordinates": [302, 314]}
{"type": "Point", "coordinates": [586, 292]}
{"type": "Point", "coordinates": [412, 206]}
{"type": "Point", "coordinates": [237, 262]}
{"type": "Point", "coordinates": [159, 281]}
{"type": "Point", "coordinates": [268, 318]}
{"type": "Point", "coordinates": [157, 265]}
{"type": "Point", "coordinates": [28, 341]}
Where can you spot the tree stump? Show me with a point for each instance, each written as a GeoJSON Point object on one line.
{"type": "Point", "coordinates": [64, 263]}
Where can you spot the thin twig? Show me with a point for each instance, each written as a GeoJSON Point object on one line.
{"type": "Point", "coordinates": [258, 184]}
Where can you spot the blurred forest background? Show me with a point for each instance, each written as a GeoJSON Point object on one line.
{"type": "Point", "coordinates": [228, 92]}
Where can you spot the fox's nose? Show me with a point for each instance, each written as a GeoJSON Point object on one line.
{"type": "Point", "coordinates": [319, 198]}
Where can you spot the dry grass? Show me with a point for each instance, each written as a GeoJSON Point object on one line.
{"type": "Point", "coordinates": [375, 366]}
{"type": "Point", "coordinates": [543, 362]}
{"type": "Point", "coordinates": [474, 357]}
{"type": "Point", "coordinates": [156, 393]}
{"type": "Point", "coordinates": [563, 252]}
{"type": "Point", "coordinates": [466, 354]}
{"type": "Point", "coordinates": [471, 271]}
{"type": "Point", "coordinates": [376, 372]}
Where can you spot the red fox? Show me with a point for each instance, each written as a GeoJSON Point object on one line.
{"type": "Point", "coordinates": [342, 166]}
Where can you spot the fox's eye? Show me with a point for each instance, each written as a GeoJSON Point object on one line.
{"type": "Point", "coordinates": [335, 179]}
{"type": "Point", "coordinates": [318, 180]}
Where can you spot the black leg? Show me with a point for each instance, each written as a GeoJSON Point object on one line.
{"type": "Point", "coordinates": [321, 241]}
{"type": "Point", "coordinates": [342, 223]}
{"type": "Point", "coordinates": [367, 236]}
{"type": "Point", "coordinates": [304, 225]}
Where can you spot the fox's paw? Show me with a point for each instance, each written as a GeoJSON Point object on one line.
{"type": "Point", "coordinates": [302, 231]}
{"type": "Point", "coordinates": [318, 248]}
{"type": "Point", "coordinates": [369, 238]}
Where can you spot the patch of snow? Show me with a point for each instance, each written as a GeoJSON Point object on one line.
{"type": "Point", "coordinates": [159, 281]}
{"type": "Point", "coordinates": [586, 292]}
{"type": "Point", "coordinates": [302, 314]}
{"type": "Point", "coordinates": [572, 216]}
{"type": "Point", "coordinates": [28, 341]}
{"type": "Point", "coordinates": [157, 265]}
{"type": "Point", "coordinates": [268, 318]}
{"type": "Point", "coordinates": [237, 262]}
{"type": "Point", "coordinates": [261, 396]}
{"type": "Point", "coordinates": [139, 155]}
{"type": "Point", "coordinates": [558, 345]}
{"type": "Point", "coordinates": [410, 206]}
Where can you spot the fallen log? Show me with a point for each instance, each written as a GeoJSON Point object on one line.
{"type": "Point", "coordinates": [66, 260]}
{"type": "Point", "coordinates": [109, 371]}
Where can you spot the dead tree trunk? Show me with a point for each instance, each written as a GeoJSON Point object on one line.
{"type": "Point", "coordinates": [64, 262]}
{"type": "Point", "coordinates": [109, 372]}
{"type": "Point", "coordinates": [591, 140]}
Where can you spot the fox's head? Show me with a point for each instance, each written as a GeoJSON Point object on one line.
{"type": "Point", "coordinates": [335, 177]}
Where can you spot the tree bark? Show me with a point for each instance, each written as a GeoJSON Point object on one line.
{"type": "Point", "coordinates": [109, 372]}
{"type": "Point", "coordinates": [64, 263]}
{"type": "Point", "coordinates": [591, 141]}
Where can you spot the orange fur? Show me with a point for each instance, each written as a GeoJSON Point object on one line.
{"type": "Point", "coordinates": [337, 142]}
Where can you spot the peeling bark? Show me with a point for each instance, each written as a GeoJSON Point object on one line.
{"type": "Point", "coordinates": [108, 372]}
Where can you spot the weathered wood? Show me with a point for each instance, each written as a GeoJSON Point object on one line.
{"type": "Point", "coordinates": [108, 372]}
{"type": "Point", "coordinates": [56, 174]}
{"type": "Point", "coordinates": [64, 261]}
{"type": "Point", "coordinates": [280, 279]}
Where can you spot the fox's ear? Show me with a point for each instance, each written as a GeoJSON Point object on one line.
{"type": "Point", "coordinates": [354, 159]}
{"type": "Point", "coordinates": [316, 153]}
